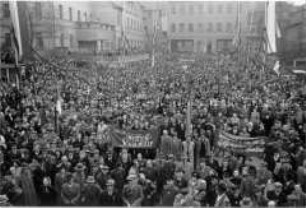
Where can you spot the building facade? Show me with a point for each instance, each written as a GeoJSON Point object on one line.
{"type": "Point", "coordinates": [208, 26]}
{"type": "Point", "coordinates": [292, 21]}
{"type": "Point", "coordinates": [84, 27]}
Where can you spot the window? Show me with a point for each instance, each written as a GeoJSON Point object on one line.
{"type": "Point", "coordinates": [38, 10]}
{"type": "Point", "coordinates": [61, 11]}
{"type": "Point", "coordinates": [210, 27]}
{"type": "Point", "coordinates": [62, 40]}
{"type": "Point", "coordinates": [219, 27]}
{"type": "Point", "coordinates": [71, 41]}
{"type": "Point", "coordinates": [200, 9]}
{"type": "Point", "coordinates": [200, 27]}
{"type": "Point", "coordinates": [39, 41]}
{"type": "Point", "coordinates": [7, 39]}
{"type": "Point", "coordinates": [128, 23]}
{"type": "Point", "coordinates": [182, 9]}
{"type": "Point", "coordinates": [229, 8]}
{"type": "Point", "coordinates": [182, 27]}
{"type": "Point", "coordinates": [191, 9]}
{"type": "Point", "coordinates": [190, 27]}
{"type": "Point", "coordinates": [119, 18]}
{"type": "Point", "coordinates": [85, 16]}
{"type": "Point", "coordinates": [173, 29]}
{"type": "Point", "coordinates": [220, 8]}
{"type": "Point", "coordinates": [210, 9]}
{"type": "Point", "coordinates": [6, 10]}
{"type": "Point", "coordinates": [79, 15]}
{"type": "Point", "coordinates": [70, 14]}
{"type": "Point", "coordinates": [229, 27]}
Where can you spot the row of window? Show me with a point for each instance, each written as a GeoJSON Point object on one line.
{"type": "Point", "coordinates": [40, 41]}
{"type": "Point", "coordinates": [85, 17]}
{"type": "Point", "coordinates": [200, 9]}
{"type": "Point", "coordinates": [62, 40]}
{"type": "Point", "coordinates": [135, 43]}
{"type": "Point", "coordinates": [201, 27]}
{"type": "Point", "coordinates": [5, 10]}
{"type": "Point", "coordinates": [133, 24]}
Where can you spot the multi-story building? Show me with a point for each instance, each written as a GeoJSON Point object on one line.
{"type": "Point", "coordinates": [292, 19]}
{"type": "Point", "coordinates": [156, 25]}
{"type": "Point", "coordinates": [207, 25]}
{"type": "Point", "coordinates": [80, 26]}
{"type": "Point", "coordinates": [127, 16]}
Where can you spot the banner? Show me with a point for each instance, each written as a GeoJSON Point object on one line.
{"type": "Point", "coordinates": [133, 138]}
{"type": "Point", "coordinates": [241, 144]}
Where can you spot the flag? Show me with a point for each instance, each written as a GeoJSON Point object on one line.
{"type": "Point", "coordinates": [276, 68]}
{"type": "Point", "coordinates": [21, 30]}
{"type": "Point", "coordinates": [15, 30]}
{"type": "Point", "coordinates": [59, 99]}
{"type": "Point", "coordinates": [278, 31]}
{"type": "Point", "coordinates": [271, 28]}
{"type": "Point", "coordinates": [237, 37]}
{"type": "Point", "coordinates": [188, 119]}
{"type": "Point", "coordinates": [59, 106]}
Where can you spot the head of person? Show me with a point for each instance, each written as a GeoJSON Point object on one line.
{"type": "Point", "coordinates": [46, 181]}
{"type": "Point", "coordinates": [169, 181]}
{"type": "Point", "coordinates": [110, 185]}
{"type": "Point", "coordinates": [278, 187]}
{"type": "Point", "coordinates": [179, 173]}
{"type": "Point", "coordinates": [132, 179]}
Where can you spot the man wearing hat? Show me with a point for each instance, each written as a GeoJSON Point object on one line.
{"type": "Point", "coordinates": [119, 175]}
{"type": "Point", "coordinates": [111, 197]}
{"type": "Point", "coordinates": [222, 198]}
{"type": "Point", "coordinates": [277, 194]}
{"type": "Point", "coordinates": [91, 193]}
{"type": "Point", "coordinates": [132, 193]}
{"type": "Point", "coordinates": [102, 175]}
{"type": "Point", "coordinates": [180, 181]}
{"type": "Point", "coordinates": [79, 174]}
{"type": "Point", "coordinates": [169, 192]}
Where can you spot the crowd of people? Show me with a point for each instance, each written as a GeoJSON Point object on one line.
{"type": "Point", "coordinates": [55, 147]}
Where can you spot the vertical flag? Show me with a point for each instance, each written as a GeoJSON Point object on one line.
{"type": "Point", "coordinates": [188, 118]}
{"type": "Point", "coordinates": [59, 101]}
{"type": "Point", "coordinates": [21, 30]}
{"type": "Point", "coordinates": [276, 68]}
{"type": "Point", "coordinates": [236, 39]}
{"type": "Point", "coordinates": [15, 30]}
{"type": "Point", "coordinates": [271, 27]}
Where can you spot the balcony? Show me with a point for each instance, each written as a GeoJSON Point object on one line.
{"type": "Point", "coordinates": [92, 31]}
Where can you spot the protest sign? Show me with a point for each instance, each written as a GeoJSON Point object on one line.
{"type": "Point", "coordinates": [241, 144]}
{"type": "Point", "coordinates": [133, 138]}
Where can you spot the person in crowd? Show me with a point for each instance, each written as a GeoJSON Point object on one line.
{"type": "Point", "coordinates": [132, 193]}
{"type": "Point", "coordinates": [71, 192]}
{"type": "Point", "coordinates": [222, 198]}
{"type": "Point", "coordinates": [111, 197]}
{"type": "Point", "coordinates": [92, 192]}
{"type": "Point", "coordinates": [80, 141]}
{"type": "Point", "coordinates": [46, 193]}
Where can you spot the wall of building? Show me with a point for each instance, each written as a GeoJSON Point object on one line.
{"type": "Point", "coordinates": [293, 25]}
{"type": "Point", "coordinates": [205, 26]}
{"type": "Point", "coordinates": [4, 24]}
{"type": "Point", "coordinates": [55, 23]}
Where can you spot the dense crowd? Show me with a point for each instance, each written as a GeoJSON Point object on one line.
{"type": "Point", "coordinates": [55, 146]}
